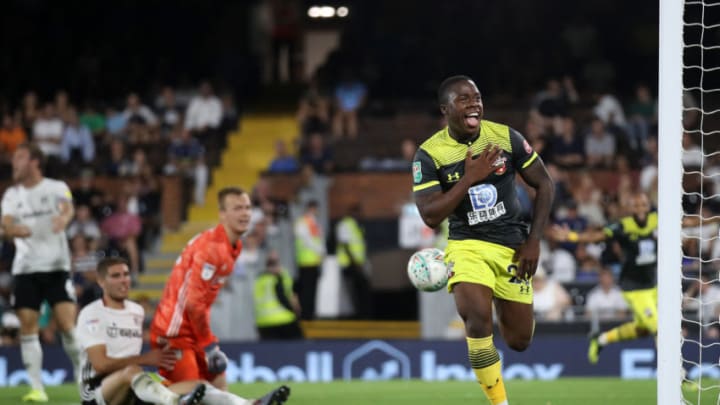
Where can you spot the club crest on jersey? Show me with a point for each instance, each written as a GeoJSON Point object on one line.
{"type": "Point", "coordinates": [208, 271]}
{"type": "Point", "coordinates": [500, 164]}
{"type": "Point", "coordinates": [417, 172]}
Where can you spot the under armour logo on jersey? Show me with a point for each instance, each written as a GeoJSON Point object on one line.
{"type": "Point", "coordinates": [451, 177]}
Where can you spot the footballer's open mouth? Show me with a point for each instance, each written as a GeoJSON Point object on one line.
{"type": "Point", "coordinates": [472, 119]}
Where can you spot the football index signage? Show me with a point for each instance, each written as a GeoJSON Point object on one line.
{"type": "Point", "coordinates": [548, 358]}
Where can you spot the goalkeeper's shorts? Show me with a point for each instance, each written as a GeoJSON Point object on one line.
{"type": "Point", "coordinates": [489, 264]}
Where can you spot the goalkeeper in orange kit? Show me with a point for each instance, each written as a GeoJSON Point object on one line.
{"type": "Point", "coordinates": [182, 318]}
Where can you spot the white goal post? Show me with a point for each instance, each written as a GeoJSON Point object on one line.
{"type": "Point", "coordinates": [670, 111]}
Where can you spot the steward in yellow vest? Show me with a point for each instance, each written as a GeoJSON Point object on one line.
{"type": "Point", "coordinates": [276, 306]}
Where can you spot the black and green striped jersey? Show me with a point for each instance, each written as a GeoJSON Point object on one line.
{"type": "Point", "coordinates": [490, 211]}
{"type": "Point", "coordinates": [639, 246]}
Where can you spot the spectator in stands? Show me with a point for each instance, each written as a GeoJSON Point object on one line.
{"type": "Point", "coordinates": [283, 162]}
{"type": "Point", "coordinates": [562, 264]}
{"type": "Point", "coordinates": [702, 300]}
{"type": "Point", "coordinates": [570, 217]}
{"type": "Point", "coordinates": [204, 112]}
{"type": "Point", "coordinates": [186, 156]}
{"type": "Point", "coordinates": [85, 226]}
{"type": "Point", "coordinates": [692, 156]}
{"type": "Point", "coordinates": [567, 148]}
{"type": "Point", "coordinates": [588, 268]}
{"type": "Point", "coordinates": [93, 120]}
{"type": "Point", "coordinates": [649, 172]}
{"type": "Point", "coordinates": [609, 110]}
{"type": "Point", "coordinates": [12, 134]}
{"type": "Point", "coordinates": [48, 134]}
{"type": "Point", "coordinates": [78, 145]}
{"type": "Point", "coordinates": [276, 305]}
{"type": "Point", "coordinates": [139, 132]}
{"type": "Point", "coordinates": [230, 115]}
{"type": "Point", "coordinates": [122, 229]}
{"type": "Point", "coordinates": [642, 112]}
{"type": "Point", "coordinates": [588, 197]}
{"type": "Point", "coordinates": [117, 165]}
{"type": "Point", "coordinates": [30, 111]}
{"type": "Point", "coordinates": [351, 253]}
{"type": "Point", "coordinates": [318, 155]}
{"type": "Point", "coordinates": [605, 301]}
{"type": "Point", "coordinates": [168, 110]}
{"type": "Point", "coordinates": [115, 122]}
{"type": "Point", "coordinates": [135, 109]}
{"type": "Point", "coordinates": [310, 249]}
{"type": "Point", "coordinates": [313, 113]}
{"type": "Point", "coordinates": [350, 96]}
{"type": "Point", "coordinates": [89, 195]}
{"type": "Point", "coordinates": [599, 146]}
{"type": "Point", "coordinates": [550, 299]}
{"type": "Point", "coordinates": [84, 265]}
{"type": "Point", "coordinates": [62, 103]}
{"type": "Point", "coordinates": [556, 99]}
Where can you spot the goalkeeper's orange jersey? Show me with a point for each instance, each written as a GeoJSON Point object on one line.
{"type": "Point", "coordinates": [182, 317]}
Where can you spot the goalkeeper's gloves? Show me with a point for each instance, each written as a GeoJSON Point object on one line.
{"type": "Point", "coordinates": [216, 360]}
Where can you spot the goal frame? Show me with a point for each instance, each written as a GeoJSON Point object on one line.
{"type": "Point", "coordinates": [670, 108]}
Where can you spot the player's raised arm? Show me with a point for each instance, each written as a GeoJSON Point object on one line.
{"type": "Point", "coordinates": [564, 234]}
{"type": "Point", "coordinates": [435, 206]}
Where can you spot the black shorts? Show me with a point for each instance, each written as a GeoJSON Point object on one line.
{"type": "Point", "coordinates": [31, 289]}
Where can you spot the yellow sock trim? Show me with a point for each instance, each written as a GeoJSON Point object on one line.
{"type": "Point", "coordinates": [626, 331]}
{"type": "Point", "coordinates": [485, 362]}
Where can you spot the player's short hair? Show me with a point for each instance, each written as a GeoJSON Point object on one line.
{"type": "Point", "coordinates": [107, 262]}
{"type": "Point", "coordinates": [447, 84]}
{"type": "Point", "coordinates": [35, 152]}
{"type": "Point", "coordinates": [226, 191]}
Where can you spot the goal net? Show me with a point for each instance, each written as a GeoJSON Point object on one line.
{"type": "Point", "coordinates": [689, 203]}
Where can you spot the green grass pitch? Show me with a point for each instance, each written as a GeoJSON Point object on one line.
{"type": "Point", "coordinates": [565, 391]}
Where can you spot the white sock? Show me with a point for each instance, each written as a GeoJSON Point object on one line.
{"type": "Point", "coordinates": [214, 396]}
{"type": "Point", "coordinates": [32, 359]}
{"type": "Point", "coordinates": [73, 351]}
{"type": "Point", "coordinates": [152, 391]}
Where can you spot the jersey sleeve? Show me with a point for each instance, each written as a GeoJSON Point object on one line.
{"type": "Point", "coordinates": [8, 203]}
{"type": "Point", "coordinates": [425, 175]}
{"type": "Point", "coordinates": [205, 262]}
{"type": "Point", "coordinates": [62, 192]}
{"type": "Point", "coordinates": [613, 230]}
{"type": "Point", "coordinates": [523, 154]}
{"type": "Point", "coordinates": [89, 329]}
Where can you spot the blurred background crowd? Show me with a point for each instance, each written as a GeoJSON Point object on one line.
{"type": "Point", "coordinates": [141, 107]}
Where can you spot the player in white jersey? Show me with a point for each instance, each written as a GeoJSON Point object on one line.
{"type": "Point", "coordinates": [110, 335]}
{"type": "Point", "coordinates": [35, 212]}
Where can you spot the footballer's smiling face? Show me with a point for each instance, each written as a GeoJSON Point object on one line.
{"type": "Point", "coordinates": [235, 212]}
{"type": "Point", "coordinates": [463, 109]}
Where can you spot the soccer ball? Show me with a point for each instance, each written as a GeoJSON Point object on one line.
{"type": "Point", "coordinates": [427, 271]}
